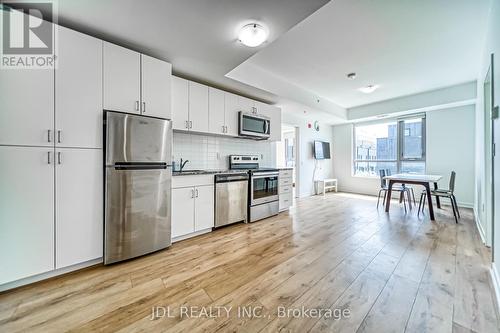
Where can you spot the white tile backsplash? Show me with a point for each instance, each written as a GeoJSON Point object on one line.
{"type": "Point", "coordinates": [211, 153]}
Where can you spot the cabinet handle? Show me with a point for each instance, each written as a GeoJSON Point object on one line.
{"type": "Point", "coordinates": [144, 107]}
{"type": "Point", "coordinates": [192, 194]}
{"type": "Point", "coordinates": [187, 124]}
{"type": "Point", "coordinates": [58, 157]}
{"type": "Point", "coordinates": [48, 157]}
{"type": "Point", "coordinates": [223, 129]}
{"type": "Point", "coordinates": [190, 124]}
{"type": "Point", "coordinates": [197, 193]}
{"type": "Point", "coordinates": [59, 136]}
{"type": "Point", "coordinates": [48, 135]}
{"type": "Point", "coordinates": [136, 105]}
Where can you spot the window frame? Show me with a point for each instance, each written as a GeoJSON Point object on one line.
{"type": "Point", "coordinates": [400, 159]}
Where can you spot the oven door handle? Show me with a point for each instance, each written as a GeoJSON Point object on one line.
{"type": "Point", "coordinates": [265, 174]}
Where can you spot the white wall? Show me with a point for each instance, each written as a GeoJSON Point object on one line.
{"type": "Point", "coordinates": [293, 115]}
{"type": "Point", "coordinates": [450, 146]}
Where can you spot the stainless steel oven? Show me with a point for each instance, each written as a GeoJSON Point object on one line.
{"type": "Point", "coordinates": [254, 125]}
{"type": "Point", "coordinates": [264, 187]}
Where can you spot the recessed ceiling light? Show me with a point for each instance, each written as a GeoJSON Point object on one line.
{"type": "Point", "coordinates": [369, 89]}
{"type": "Point", "coordinates": [252, 35]}
{"type": "Point", "coordinates": [351, 76]}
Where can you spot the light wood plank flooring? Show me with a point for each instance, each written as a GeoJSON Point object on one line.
{"type": "Point", "coordinates": [393, 273]}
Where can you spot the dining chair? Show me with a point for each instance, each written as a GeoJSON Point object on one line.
{"type": "Point", "coordinates": [384, 188]}
{"type": "Point", "coordinates": [410, 188]}
{"type": "Point", "coordinates": [442, 193]}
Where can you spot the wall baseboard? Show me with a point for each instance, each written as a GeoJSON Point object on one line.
{"type": "Point", "coordinates": [48, 275]}
{"type": "Point", "coordinates": [495, 279]}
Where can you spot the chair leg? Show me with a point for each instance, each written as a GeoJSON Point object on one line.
{"type": "Point", "coordinates": [454, 210]}
{"type": "Point", "coordinates": [385, 197]}
{"type": "Point", "coordinates": [378, 198]}
{"type": "Point", "coordinates": [420, 204]}
{"type": "Point", "coordinates": [408, 195]}
{"type": "Point", "coordinates": [456, 206]}
{"type": "Point", "coordinates": [413, 195]}
{"type": "Point", "coordinates": [402, 198]}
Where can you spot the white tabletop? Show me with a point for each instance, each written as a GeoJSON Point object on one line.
{"type": "Point", "coordinates": [414, 177]}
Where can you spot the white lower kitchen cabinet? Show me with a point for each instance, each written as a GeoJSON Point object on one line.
{"type": "Point", "coordinates": [182, 211]}
{"type": "Point", "coordinates": [204, 208]}
{"type": "Point", "coordinates": [26, 212]}
{"type": "Point", "coordinates": [285, 188]}
{"type": "Point", "coordinates": [79, 208]}
{"type": "Point", "coordinates": [192, 204]}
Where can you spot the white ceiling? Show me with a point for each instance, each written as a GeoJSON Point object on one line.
{"type": "Point", "coordinates": [197, 36]}
{"type": "Point", "coordinates": [404, 46]}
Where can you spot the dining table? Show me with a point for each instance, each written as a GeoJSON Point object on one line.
{"type": "Point", "coordinates": [414, 179]}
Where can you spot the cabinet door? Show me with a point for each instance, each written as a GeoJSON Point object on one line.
{"type": "Point", "coordinates": [216, 124]}
{"type": "Point", "coordinates": [156, 87]}
{"type": "Point", "coordinates": [246, 104]}
{"type": "Point", "coordinates": [204, 208]}
{"type": "Point", "coordinates": [122, 76]}
{"type": "Point", "coordinates": [180, 104]}
{"type": "Point", "coordinates": [27, 107]}
{"type": "Point", "coordinates": [198, 107]}
{"type": "Point", "coordinates": [79, 209]}
{"type": "Point", "coordinates": [274, 114]}
{"type": "Point", "coordinates": [231, 113]}
{"type": "Point", "coordinates": [26, 212]}
{"type": "Point", "coordinates": [78, 90]}
{"type": "Point", "coordinates": [182, 211]}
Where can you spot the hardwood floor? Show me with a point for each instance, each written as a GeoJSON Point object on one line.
{"type": "Point", "coordinates": [385, 273]}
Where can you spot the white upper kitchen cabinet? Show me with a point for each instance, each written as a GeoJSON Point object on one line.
{"type": "Point", "coordinates": [180, 103]}
{"type": "Point", "coordinates": [122, 79]}
{"type": "Point", "coordinates": [156, 87]}
{"type": "Point", "coordinates": [26, 211]}
{"type": "Point", "coordinates": [231, 113]}
{"type": "Point", "coordinates": [79, 209]}
{"type": "Point", "coordinates": [274, 114]}
{"type": "Point", "coordinates": [246, 104]}
{"type": "Point", "coordinates": [78, 115]}
{"type": "Point", "coordinates": [182, 211]}
{"type": "Point", "coordinates": [204, 208]}
{"type": "Point", "coordinates": [198, 107]}
{"type": "Point", "coordinates": [216, 122]}
{"type": "Point", "coordinates": [27, 107]}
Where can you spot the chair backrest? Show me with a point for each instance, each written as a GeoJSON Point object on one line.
{"type": "Point", "coordinates": [387, 172]}
{"type": "Point", "coordinates": [452, 181]}
{"type": "Point", "coordinates": [382, 174]}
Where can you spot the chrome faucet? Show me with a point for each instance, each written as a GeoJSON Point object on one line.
{"type": "Point", "coordinates": [183, 164]}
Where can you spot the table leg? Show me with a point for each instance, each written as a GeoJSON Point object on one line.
{"type": "Point", "coordinates": [389, 194]}
{"type": "Point", "coordinates": [429, 200]}
{"type": "Point", "coordinates": [438, 202]}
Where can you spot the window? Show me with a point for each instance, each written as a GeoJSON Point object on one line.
{"type": "Point", "coordinates": [397, 145]}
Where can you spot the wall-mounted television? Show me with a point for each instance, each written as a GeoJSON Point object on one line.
{"type": "Point", "coordinates": [321, 150]}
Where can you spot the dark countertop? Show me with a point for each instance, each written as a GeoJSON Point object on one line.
{"type": "Point", "coordinates": [285, 168]}
{"type": "Point", "coordinates": [203, 172]}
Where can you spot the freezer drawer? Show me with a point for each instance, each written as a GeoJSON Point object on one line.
{"type": "Point", "coordinates": [138, 210]}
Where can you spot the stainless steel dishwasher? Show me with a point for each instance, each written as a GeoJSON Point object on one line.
{"type": "Point", "coordinates": [231, 198]}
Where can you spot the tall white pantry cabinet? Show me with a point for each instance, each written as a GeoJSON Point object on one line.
{"type": "Point", "coordinates": [51, 151]}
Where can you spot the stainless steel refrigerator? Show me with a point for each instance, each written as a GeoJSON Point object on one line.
{"type": "Point", "coordinates": [138, 179]}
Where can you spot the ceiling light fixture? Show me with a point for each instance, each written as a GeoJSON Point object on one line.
{"type": "Point", "coordinates": [252, 35]}
{"type": "Point", "coordinates": [369, 89]}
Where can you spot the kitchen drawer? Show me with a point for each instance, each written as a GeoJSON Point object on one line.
{"type": "Point", "coordinates": [285, 181]}
{"type": "Point", "coordinates": [192, 181]}
{"type": "Point", "coordinates": [285, 189]}
{"type": "Point", "coordinates": [285, 201]}
{"type": "Point", "coordinates": [286, 173]}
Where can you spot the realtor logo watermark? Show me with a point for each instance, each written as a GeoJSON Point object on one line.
{"type": "Point", "coordinates": [27, 35]}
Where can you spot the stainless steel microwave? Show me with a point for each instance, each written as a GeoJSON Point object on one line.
{"type": "Point", "coordinates": [254, 125]}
